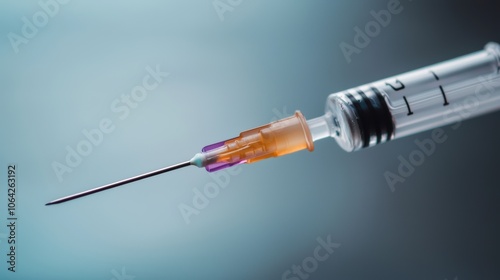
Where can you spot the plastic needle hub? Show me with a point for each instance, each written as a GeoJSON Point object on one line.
{"type": "Point", "coordinates": [122, 182]}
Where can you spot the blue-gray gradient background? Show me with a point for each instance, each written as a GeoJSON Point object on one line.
{"type": "Point", "coordinates": [264, 60]}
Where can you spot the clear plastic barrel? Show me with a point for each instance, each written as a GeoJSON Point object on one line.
{"type": "Point", "coordinates": [412, 102]}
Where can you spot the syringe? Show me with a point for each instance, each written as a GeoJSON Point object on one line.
{"type": "Point", "coordinates": [364, 116]}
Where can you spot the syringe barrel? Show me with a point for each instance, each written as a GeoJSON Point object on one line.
{"type": "Point", "coordinates": [416, 101]}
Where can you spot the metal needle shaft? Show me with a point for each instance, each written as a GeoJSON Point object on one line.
{"type": "Point", "coordinates": [122, 182]}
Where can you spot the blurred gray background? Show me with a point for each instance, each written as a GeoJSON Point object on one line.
{"type": "Point", "coordinates": [234, 65]}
